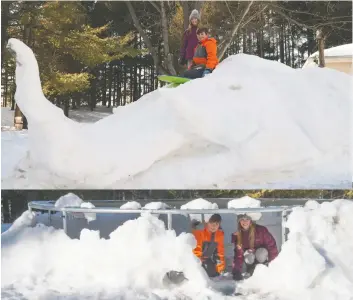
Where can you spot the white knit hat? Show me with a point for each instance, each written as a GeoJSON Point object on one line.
{"type": "Point", "coordinates": [255, 216]}
{"type": "Point", "coordinates": [195, 14]}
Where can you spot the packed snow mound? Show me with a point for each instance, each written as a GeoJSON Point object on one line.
{"type": "Point", "coordinates": [247, 202]}
{"type": "Point", "coordinates": [252, 123]}
{"type": "Point", "coordinates": [124, 267]}
{"type": "Point", "coordinates": [131, 205]}
{"type": "Point", "coordinates": [199, 204]}
{"type": "Point", "coordinates": [316, 262]}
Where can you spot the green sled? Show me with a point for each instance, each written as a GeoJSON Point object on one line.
{"type": "Point", "coordinates": [174, 80]}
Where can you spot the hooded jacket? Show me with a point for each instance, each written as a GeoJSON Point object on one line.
{"type": "Point", "coordinates": [189, 43]}
{"type": "Point", "coordinates": [206, 53]}
{"type": "Point", "coordinates": [263, 239]}
{"type": "Point", "coordinates": [204, 239]}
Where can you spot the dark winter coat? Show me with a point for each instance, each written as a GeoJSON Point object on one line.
{"type": "Point", "coordinates": [189, 44]}
{"type": "Point", "coordinates": [263, 239]}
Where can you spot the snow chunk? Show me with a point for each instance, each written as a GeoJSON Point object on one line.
{"type": "Point", "coordinates": [199, 204]}
{"type": "Point", "coordinates": [247, 202]}
{"type": "Point", "coordinates": [72, 200]}
{"type": "Point", "coordinates": [89, 216]}
{"type": "Point", "coordinates": [131, 205]}
{"type": "Point", "coordinates": [156, 205]}
{"type": "Point", "coordinates": [244, 202]}
{"type": "Point", "coordinates": [68, 200]}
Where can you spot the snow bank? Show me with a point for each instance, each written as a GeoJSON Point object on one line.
{"type": "Point", "coordinates": [316, 262]}
{"type": "Point", "coordinates": [257, 124]}
{"type": "Point", "coordinates": [124, 267]}
{"type": "Point", "coordinates": [199, 204]}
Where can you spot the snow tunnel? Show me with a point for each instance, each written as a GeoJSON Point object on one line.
{"type": "Point", "coordinates": [105, 217]}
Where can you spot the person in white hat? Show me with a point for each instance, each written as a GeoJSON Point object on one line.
{"type": "Point", "coordinates": [189, 41]}
{"type": "Point", "coordinates": [253, 244]}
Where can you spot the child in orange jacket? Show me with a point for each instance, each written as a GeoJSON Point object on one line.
{"type": "Point", "coordinates": [210, 246]}
{"type": "Point", "coordinates": [205, 56]}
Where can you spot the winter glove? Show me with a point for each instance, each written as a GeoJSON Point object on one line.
{"type": "Point", "coordinates": [182, 61]}
{"type": "Point", "coordinates": [206, 72]}
{"type": "Point", "coordinates": [195, 223]}
{"type": "Point", "coordinates": [237, 275]}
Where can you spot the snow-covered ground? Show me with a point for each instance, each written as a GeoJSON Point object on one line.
{"type": "Point", "coordinates": [252, 123]}
{"type": "Point", "coordinates": [42, 262]}
{"type": "Point", "coordinates": [83, 115]}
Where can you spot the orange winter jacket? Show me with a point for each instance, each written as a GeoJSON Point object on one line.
{"type": "Point", "coordinates": [206, 53]}
{"type": "Point", "coordinates": [204, 238]}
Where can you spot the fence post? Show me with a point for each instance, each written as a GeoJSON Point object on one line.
{"type": "Point", "coordinates": [283, 226]}
{"type": "Point", "coordinates": [64, 221]}
{"type": "Point", "coordinates": [170, 221]}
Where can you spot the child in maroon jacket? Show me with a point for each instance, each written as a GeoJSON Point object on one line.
{"type": "Point", "coordinates": [253, 244]}
{"type": "Point", "coordinates": [190, 40]}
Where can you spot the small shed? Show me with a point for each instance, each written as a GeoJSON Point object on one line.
{"type": "Point", "coordinates": [338, 58]}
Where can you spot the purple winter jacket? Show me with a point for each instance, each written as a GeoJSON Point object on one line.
{"type": "Point", "coordinates": [263, 238]}
{"type": "Point", "coordinates": [189, 44]}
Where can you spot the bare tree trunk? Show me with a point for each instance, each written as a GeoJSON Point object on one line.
{"type": "Point", "coordinates": [167, 55]}
{"type": "Point", "coordinates": [104, 87]}
{"type": "Point", "coordinates": [186, 13]}
{"type": "Point", "coordinates": [281, 44]}
{"type": "Point", "coordinates": [4, 24]}
{"type": "Point", "coordinates": [321, 46]}
{"type": "Point", "coordinates": [66, 100]}
{"type": "Point", "coordinates": [198, 5]}
{"type": "Point", "coordinates": [230, 38]}
{"type": "Point", "coordinates": [146, 39]}
{"type": "Point", "coordinates": [110, 86]}
{"type": "Point", "coordinates": [244, 41]}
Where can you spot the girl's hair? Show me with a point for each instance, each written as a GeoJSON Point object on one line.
{"type": "Point", "coordinates": [251, 236]}
{"type": "Point", "coordinates": [190, 26]}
